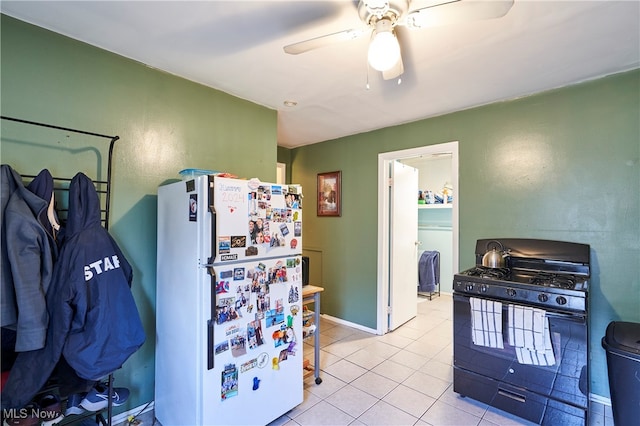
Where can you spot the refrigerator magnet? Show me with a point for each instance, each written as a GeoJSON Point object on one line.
{"type": "Point", "coordinates": [238, 345]}
{"type": "Point", "coordinates": [224, 244]}
{"type": "Point", "coordinates": [222, 347]}
{"type": "Point", "coordinates": [252, 363]}
{"type": "Point", "coordinates": [238, 241]}
{"type": "Point", "coordinates": [278, 338]}
{"type": "Point", "coordinates": [238, 274]}
{"type": "Point", "coordinates": [263, 360]}
{"type": "Point", "coordinates": [254, 334]}
{"type": "Point", "coordinates": [222, 287]}
{"type": "Point", "coordinates": [294, 295]}
{"type": "Point", "coordinates": [292, 348]}
{"type": "Point", "coordinates": [289, 336]}
{"type": "Point", "coordinates": [229, 386]}
{"type": "Point", "coordinates": [193, 207]}
{"type": "Point", "coordinates": [253, 183]}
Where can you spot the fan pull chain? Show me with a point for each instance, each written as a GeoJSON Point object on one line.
{"type": "Point", "coordinates": [367, 86]}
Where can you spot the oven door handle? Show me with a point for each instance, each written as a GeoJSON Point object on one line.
{"type": "Point", "coordinates": [567, 316]}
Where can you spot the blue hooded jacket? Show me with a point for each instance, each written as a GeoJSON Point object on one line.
{"type": "Point", "coordinates": [94, 321]}
{"type": "Point", "coordinates": [28, 253]}
{"type": "Point", "coordinates": [104, 325]}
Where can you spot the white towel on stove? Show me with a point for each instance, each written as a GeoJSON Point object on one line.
{"type": "Point", "coordinates": [530, 336]}
{"type": "Point", "coordinates": [486, 323]}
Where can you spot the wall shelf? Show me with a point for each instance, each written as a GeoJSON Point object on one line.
{"type": "Point", "coordinates": [435, 206]}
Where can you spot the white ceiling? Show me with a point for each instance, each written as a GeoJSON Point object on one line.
{"type": "Point", "coordinates": [237, 47]}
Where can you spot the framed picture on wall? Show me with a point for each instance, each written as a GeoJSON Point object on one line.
{"type": "Point", "coordinates": [329, 194]}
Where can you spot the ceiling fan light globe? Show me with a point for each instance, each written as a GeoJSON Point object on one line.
{"type": "Point", "coordinates": [384, 51]}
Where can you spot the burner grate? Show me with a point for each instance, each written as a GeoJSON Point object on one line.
{"type": "Point", "coordinates": [485, 272]}
{"type": "Point", "coordinates": [554, 280]}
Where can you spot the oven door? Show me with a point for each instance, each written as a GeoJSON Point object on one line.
{"type": "Point", "coordinates": [565, 381]}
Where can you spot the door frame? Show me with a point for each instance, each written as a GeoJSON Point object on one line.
{"type": "Point", "coordinates": [384, 159]}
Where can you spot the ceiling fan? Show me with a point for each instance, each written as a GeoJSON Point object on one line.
{"type": "Point", "coordinates": [380, 17]}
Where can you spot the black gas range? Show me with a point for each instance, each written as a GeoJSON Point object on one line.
{"type": "Point", "coordinates": [544, 284]}
{"type": "Point", "coordinates": [550, 274]}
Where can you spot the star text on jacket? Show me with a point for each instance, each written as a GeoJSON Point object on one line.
{"type": "Point", "coordinates": [100, 266]}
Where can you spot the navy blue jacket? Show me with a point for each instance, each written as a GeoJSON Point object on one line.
{"type": "Point", "coordinates": [94, 321]}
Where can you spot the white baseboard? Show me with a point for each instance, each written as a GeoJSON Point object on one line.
{"type": "Point", "coordinates": [349, 324]}
{"type": "Point", "coordinates": [600, 399]}
{"type": "Point", "coordinates": [122, 417]}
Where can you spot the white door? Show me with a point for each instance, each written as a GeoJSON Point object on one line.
{"type": "Point", "coordinates": [403, 237]}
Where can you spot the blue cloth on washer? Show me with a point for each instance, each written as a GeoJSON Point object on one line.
{"type": "Point", "coordinates": [429, 271]}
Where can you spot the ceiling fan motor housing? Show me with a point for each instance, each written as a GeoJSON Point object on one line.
{"type": "Point", "coordinates": [371, 11]}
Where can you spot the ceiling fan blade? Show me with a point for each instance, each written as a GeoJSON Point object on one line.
{"type": "Point", "coordinates": [457, 11]}
{"type": "Point", "coordinates": [396, 71]}
{"type": "Point", "coordinates": [325, 40]}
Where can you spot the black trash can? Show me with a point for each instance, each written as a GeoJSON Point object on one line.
{"type": "Point", "coordinates": [622, 343]}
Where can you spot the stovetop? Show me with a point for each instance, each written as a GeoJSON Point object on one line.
{"type": "Point", "coordinates": [560, 291]}
{"type": "Point", "coordinates": [566, 281]}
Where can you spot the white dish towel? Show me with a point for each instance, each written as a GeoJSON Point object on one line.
{"type": "Point", "coordinates": [486, 323]}
{"type": "Point", "coordinates": [530, 336]}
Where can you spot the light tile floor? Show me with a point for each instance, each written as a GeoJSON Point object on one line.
{"type": "Point", "coordinates": [402, 378]}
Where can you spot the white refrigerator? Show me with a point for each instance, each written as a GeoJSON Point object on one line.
{"type": "Point", "coordinates": [228, 302]}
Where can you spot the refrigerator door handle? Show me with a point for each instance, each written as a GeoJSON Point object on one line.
{"type": "Point", "coordinates": [211, 321]}
{"type": "Point", "coordinates": [214, 224]}
{"type": "Point", "coordinates": [210, 344]}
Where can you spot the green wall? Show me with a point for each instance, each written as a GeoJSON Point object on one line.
{"type": "Point", "coordinates": [560, 165]}
{"type": "Point", "coordinates": [165, 124]}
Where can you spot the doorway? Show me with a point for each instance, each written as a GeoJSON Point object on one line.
{"type": "Point", "coordinates": [385, 284]}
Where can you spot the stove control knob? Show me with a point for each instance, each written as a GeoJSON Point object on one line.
{"type": "Point", "coordinates": [511, 292]}
{"type": "Point", "coordinates": [483, 288]}
{"type": "Point", "coordinates": [543, 297]}
{"type": "Point", "coordinates": [561, 300]}
{"type": "Point", "coordinates": [469, 287]}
